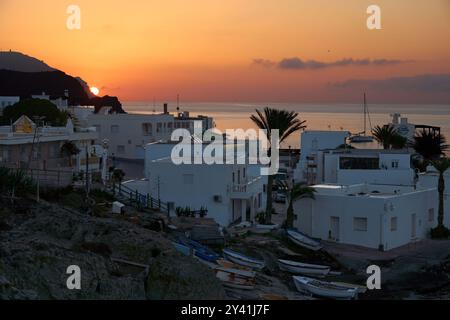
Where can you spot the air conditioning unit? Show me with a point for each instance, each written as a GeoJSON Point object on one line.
{"type": "Point", "coordinates": [217, 198]}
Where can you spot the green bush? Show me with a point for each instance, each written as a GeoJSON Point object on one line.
{"type": "Point", "coordinates": [32, 108]}
{"type": "Point", "coordinates": [15, 181]}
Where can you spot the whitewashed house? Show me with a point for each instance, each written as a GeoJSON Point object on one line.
{"type": "Point", "coordinates": [429, 179]}
{"type": "Point", "coordinates": [374, 216]}
{"type": "Point", "coordinates": [378, 166]}
{"type": "Point", "coordinates": [312, 142]}
{"type": "Point", "coordinates": [127, 134]}
{"type": "Point", "coordinates": [230, 192]}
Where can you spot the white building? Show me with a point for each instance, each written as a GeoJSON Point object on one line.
{"type": "Point", "coordinates": [6, 101]}
{"type": "Point", "coordinates": [230, 192]}
{"type": "Point", "coordinates": [352, 166]}
{"type": "Point", "coordinates": [430, 180]}
{"type": "Point", "coordinates": [311, 143]}
{"type": "Point", "coordinates": [374, 216]}
{"type": "Point", "coordinates": [324, 160]}
{"type": "Point", "coordinates": [127, 134]}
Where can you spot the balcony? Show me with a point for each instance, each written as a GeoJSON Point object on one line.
{"type": "Point", "coordinates": [246, 190]}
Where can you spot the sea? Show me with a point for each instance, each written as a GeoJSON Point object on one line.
{"type": "Point", "coordinates": [318, 116]}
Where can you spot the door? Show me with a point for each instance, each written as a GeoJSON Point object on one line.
{"type": "Point", "coordinates": [334, 228]}
{"type": "Point", "coordinates": [413, 226]}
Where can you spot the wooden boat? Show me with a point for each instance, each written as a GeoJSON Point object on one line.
{"type": "Point", "coordinates": [324, 289]}
{"type": "Point", "coordinates": [361, 289]}
{"type": "Point", "coordinates": [303, 268]}
{"type": "Point", "coordinates": [303, 240]}
{"type": "Point", "coordinates": [235, 278]}
{"type": "Point", "coordinates": [228, 264]}
{"type": "Point", "coordinates": [242, 260]}
{"type": "Point", "coordinates": [197, 250]}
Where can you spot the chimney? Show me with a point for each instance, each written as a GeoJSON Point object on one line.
{"type": "Point", "coordinates": [165, 108]}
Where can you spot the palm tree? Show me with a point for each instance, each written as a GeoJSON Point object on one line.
{"type": "Point", "coordinates": [429, 145]}
{"type": "Point", "coordinates": [298, 191]}
{"type": "Point", "coordinates": [441, 166]}
{"type": "Point", "coordinates": [286, 122]}
{"type": "Point", "coordinates": [388, 137]}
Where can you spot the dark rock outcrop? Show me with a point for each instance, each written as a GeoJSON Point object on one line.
{"type": "Point", "coordinates": [37, 248]}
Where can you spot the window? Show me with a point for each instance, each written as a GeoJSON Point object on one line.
{"type": "Point", "coordinates": [394, 164]}
{"type": "Point", "coordinates": [147, 129]}
{"type": "Point", "coordinates": [360, 224]}
{"type": "Point", "coordinates": [120, 149]}
{"type": "Point", "coordinates": [188, 178]}
{"type": "Point", "coordinates": [129, 142]}
{"type": "Point", "coordinates": [348, 163]}
{"type": "Point", "coordinates": [243, 173]}
{"type": "Point", "coordinates": [431, 215]}
{"type": "Point", "coordinates": [233, 177]}
{"type": "Point", "coordinates": [114, 129]}
{"type": "Point", "coordinates": [394, 224]}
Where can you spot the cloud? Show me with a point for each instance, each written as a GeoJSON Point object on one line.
{"type": "Point", "coordinates": [264, 63]}
{"type": "Point", "coordinates": [426, 83]}
{"type": "Point", "coordinates": [299, 64]}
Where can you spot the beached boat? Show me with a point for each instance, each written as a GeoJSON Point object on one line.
{"type": "Point", "coordinates": [324, 289]}
{"type": "Point", "coordinates": [303, 240]}
{"type": "Point", "coordinates": [228, 264]}
{"type": "Point", "coordinates": [189, 247]}
{"type": "Point", "coordinates": [361, 289]}
{"type": "Point", "coordinates": [303, 268]}
{"type": "Point", "coordinates": [235, 278]}
{"type": "Point", "coordinates": [240, 259]}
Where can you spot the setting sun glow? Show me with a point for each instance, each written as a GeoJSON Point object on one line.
{"type": "Point", "coordinates": [95, 91]}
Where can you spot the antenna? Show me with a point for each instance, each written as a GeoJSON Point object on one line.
{"type": "Point", "coordinates": [178, 101]}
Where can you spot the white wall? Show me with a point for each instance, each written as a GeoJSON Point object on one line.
{"type": "Point", "coordinates": [314, 217]}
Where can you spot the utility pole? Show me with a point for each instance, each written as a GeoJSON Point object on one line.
{"type": "Point", "coordinates": [87, 171]}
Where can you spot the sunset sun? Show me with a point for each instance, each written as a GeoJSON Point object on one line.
{"type": "Point", "coordinates": [95, 91]}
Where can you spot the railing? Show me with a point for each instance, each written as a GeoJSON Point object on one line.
{"type": "Point", "coordinates": [134, 198]}
{"type": "Point", "coordinates": [47, 178]}
{"type": "Point", "coordinates": [244, 187]}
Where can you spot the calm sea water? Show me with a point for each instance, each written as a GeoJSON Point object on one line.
{"type": "Point", "coordinates": [318, 116]}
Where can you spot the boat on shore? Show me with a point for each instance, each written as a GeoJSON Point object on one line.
{"type": "Point", "coordinates": [236, 278]}
{"type": "Point", "coordinates": [325, 289]}
{"type": "Point", "coordinates": [303, 268]}
{"type": "Point", "coordinates": [243, 260]}
{"type": "Point", "coordinates": [304, 241]}
{"type": "Point", "coordinates": [189, 247]}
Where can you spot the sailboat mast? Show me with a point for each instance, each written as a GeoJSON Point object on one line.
{"type": "Point", "coordinates": [365, 113]}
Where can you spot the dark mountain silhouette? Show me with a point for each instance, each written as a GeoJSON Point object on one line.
{"type": "Point", "coordinates": [14, 81]}
{"type": "Point", "coordinates": [16, 61]}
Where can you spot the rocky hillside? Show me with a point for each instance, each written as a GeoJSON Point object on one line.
{"type": "Point", "coordinates": [21, 75]}
{"type": "Point", "coordinates": [39, 241]}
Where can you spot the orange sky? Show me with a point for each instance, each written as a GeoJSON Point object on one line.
{"type": "Point", "coordinates": [203, 49]}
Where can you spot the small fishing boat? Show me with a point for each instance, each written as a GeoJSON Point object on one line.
{"type": "Point", "coordinates": [324, 289]}
{"type": "Point", "coordinates": [242, 260]}
{"type": "Point", "coordinates": [361, 289]}
{"type": "Point", "coordinates": [228, 264]}
{"type": "Point", "coordinates": [235, 278]}
{"type": "Point", "coordinates": [189, 247]}
{"type": "Point", "coordinates": [303, 268]}
{"type": "Point", "coordinates": [303, 240]}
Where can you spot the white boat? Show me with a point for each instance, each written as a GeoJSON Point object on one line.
{"type": "Point", "coordinates": [304, 241]}
{"type": "Point", "coordinates": [235, 278]}
{"type": "Point", "coordinates": [324, 289]}
{"type": "Point", "coordinates": [303, 268]}
{"type": "Point", "coordinates": [362, 137]}
{"type": "Point", "coordinates": [238, 258]}
{"type": "Point", "coordinates": [361, 289]}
